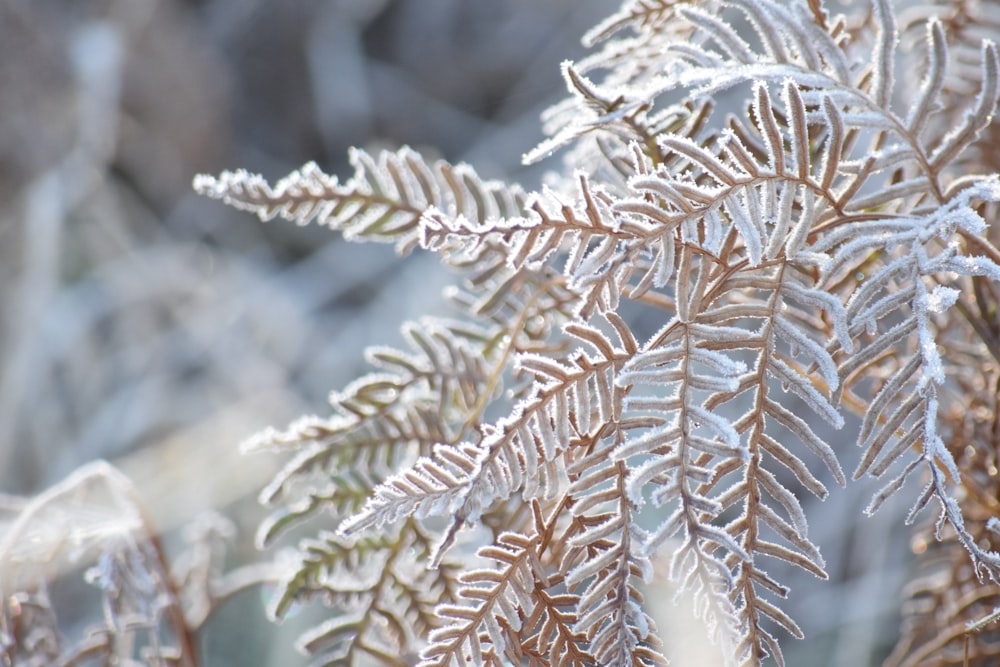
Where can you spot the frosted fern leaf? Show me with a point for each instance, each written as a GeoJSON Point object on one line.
{"type": "Point", "coordinates": [650, 361]}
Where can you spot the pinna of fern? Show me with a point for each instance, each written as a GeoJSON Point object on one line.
{"type": "Point", "coordinates": [741, 235]}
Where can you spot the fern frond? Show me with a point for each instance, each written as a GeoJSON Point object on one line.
{"type": "Point", "coordinates": [521, 452]}
{"type": "Point", "coordinates": [492, 603]}
{"type": "Point", "coordinates": [384, 598]}
{"type": "Point", "coordinates": [694, 448]}
{"type": "Point", "coordinates": [947, 609]}
{"type": "Point", "coordinates": [904, 412]}
{"type": "Point", "coordinates": [767, 505]}
{"type": "Point", "coordinates": [419, 398]}
{"type": "Point", "coordinates": [528, 243]}
{"type": "Point", "coordinates": [383, 201]}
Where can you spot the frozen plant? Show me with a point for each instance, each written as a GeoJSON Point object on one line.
{"type": "Point", "coordinates": [810, 232]}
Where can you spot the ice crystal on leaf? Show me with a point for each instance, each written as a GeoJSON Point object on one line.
{"type": "Point", "coordinates": [529, 537]}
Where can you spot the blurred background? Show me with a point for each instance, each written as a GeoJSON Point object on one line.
{"type": "Point", "coordinates": [137, 315]}
{"type": "Point", "coordinates": [147, 326]}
